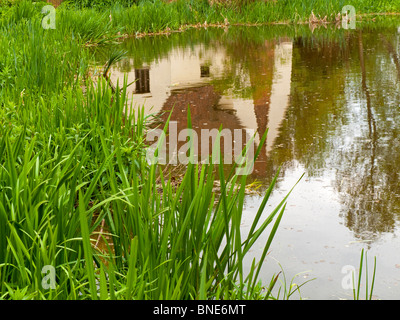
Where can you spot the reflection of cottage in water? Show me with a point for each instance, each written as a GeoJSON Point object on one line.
{"type": "Point", "coordinates": [142, 78]}
{"type": "Point", "coordinates": [185, 78]}
{"type": "Point", "coordinates": [183, 68]}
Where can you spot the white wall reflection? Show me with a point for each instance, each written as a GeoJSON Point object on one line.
{"type": "Point", "coordinates": [186, 68]}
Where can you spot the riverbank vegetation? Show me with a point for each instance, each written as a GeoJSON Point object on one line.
{"type": "Point", "coordinates": [77, 194]}
{"type": "Point", "coordinates": [136, 17]}
{"type": "Point", "coordinates": [101, 18]}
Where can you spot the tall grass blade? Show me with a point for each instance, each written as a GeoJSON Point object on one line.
{"type": "Point", "coordinates": [87, 248]}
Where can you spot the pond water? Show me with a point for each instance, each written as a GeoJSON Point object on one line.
{"type": "Point", "coordinates": [331, 100]}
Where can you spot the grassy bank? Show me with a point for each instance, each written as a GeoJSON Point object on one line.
{"type": "Point", "coordinates": [135, 17]}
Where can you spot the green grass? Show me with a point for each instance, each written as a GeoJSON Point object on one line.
{"type": "Point", "coordinates": [357, 288]}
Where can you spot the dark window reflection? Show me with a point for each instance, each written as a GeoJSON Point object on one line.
{"type": "Point", "coordinates": [204, 71]}
{"type": "Point", "coordinates": [142, 77]}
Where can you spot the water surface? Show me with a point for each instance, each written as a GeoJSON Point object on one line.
{"type": "Point", "coordinates": [331, 100]}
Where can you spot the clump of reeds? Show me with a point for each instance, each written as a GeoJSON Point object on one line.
{"type": "Point", "coordinates": [58, 186]}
